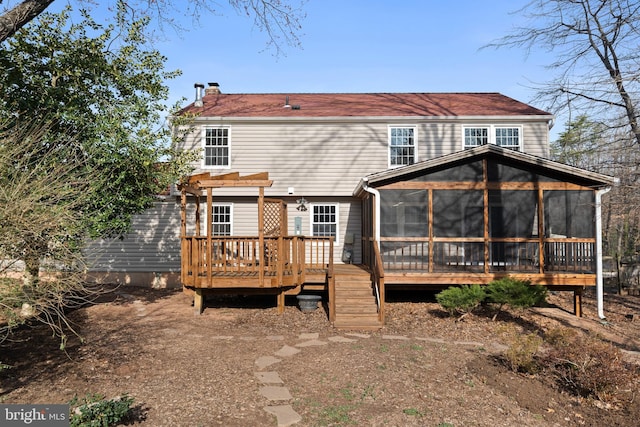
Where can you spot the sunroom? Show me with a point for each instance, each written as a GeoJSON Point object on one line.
{"type": "Point", "coordinates": [481, 214]}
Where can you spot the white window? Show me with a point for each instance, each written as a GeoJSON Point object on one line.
{"type": "Point", "coordinates": [216, 143]}
{"type": "Point", "coordinates": [508, 137]}
{"type": "Point", "coordinates": [503, 136]}
{"type": "Point", "coordinates": [324, 220]}
{"type": "Point", "coordinates": [221, 220]}
{"type": "Point", "coordinates": [474, 137]}
{"type": "Point", "coordinates": [402, 146]}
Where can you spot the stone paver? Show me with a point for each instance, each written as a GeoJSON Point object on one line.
{"type": "Point", "coordinates": [287, 351]}
{"type": "Point", "coordinates": [394, 337]}
{"type": "Point", "coordinates": [275, 337]}
{"type": "Point", "coordinates": [309, 336]}
{"type": "Point", "coordinates": [285, 414]}
{"type": "Point", "coordinates": [357, 335]}
{"type": "Point", "coordinates": [269, 377]}
{"type": "Point", "coordinates": [264, 361]}
{"type": "Point", "coordinates": [273, 392]}
{"type": "Point", "coordinates": [435, 340]}
{"type": "Point", "coordinates": [311, 343]}
{"type": "Point", "coordinates": [340, 339]}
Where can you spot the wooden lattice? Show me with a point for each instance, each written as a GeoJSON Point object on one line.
{"type": "Point", "coordinates": [275, 218]}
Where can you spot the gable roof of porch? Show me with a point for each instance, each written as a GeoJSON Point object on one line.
{"type": "Point", "coordinates": [514, 158]}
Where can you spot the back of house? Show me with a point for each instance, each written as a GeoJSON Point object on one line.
{"type": "Point", "coordinates": [316, 147]}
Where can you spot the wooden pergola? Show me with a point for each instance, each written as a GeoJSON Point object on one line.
{"type": "Point", "coordinates": [270, 263]}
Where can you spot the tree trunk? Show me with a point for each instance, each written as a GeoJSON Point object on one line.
{"type": "Point", "coordinates": [20, 15]}
{"type": "Point", "coordinates": [32, 265]}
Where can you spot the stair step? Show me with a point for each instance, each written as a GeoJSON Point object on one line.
{"type": "Point", "coordinates": [355, 299]}
{"type": "Point", "coordinates": [357, 295]}
{"type": "Point", "coordinates": [358, 324]}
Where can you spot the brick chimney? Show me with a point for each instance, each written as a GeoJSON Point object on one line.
{"type": "Point", "coordinates": [213, 89]}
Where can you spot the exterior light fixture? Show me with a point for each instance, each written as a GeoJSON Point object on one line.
{"type": "Point", "coordinates": [302, 204]}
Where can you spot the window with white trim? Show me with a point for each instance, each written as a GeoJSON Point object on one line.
{"type": "Point", "coordinates": [324, 220]}
{"type": "Point", "coordinates": [216, 142]}
{"type": "Point", "coordinates": [504, 136]}
{"type": "Point", "coordinates": [221, 219]}
{"type": "Point", "coordinates": [402, 145]}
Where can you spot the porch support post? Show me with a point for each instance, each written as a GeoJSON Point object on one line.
{"type": "Point", "coordinates": [280, 299]}
{"type": "Point", "coordinates": [209, 252]}
{"type": "Point", "coordinates": [198, 302]}
{"type": "Point", "coordinates": [577, 302]}
{"type": "Point", "coordinates": [261, 236]}
{"type": "Point", "coordinates": [183, 241]}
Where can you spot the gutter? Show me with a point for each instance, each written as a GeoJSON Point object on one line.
{"type": "Point", "coordinates": [599, 280]}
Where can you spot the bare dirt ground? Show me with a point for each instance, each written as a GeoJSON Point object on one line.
{"type": "Point", "coordinates": [422, 369]}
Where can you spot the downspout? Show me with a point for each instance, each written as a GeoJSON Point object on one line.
{"type": "Point", "coordinates": [599, 280]}
{"type": "Point", "coordinates": [376, 197]}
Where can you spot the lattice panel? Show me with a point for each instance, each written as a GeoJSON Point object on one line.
{"type": "Point", "coordinates": [273, 218]}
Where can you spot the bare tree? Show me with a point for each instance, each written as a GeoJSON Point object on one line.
{"type": "Point", "coordinates": [596, 43]}
{"type": "Point", "coordinates": [279, 19]}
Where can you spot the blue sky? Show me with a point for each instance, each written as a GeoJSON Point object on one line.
{"type": "Point", "coordinates": [364, 46]}
{"type": "Point", "coordinates": [359, 46]}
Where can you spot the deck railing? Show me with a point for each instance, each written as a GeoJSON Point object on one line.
{"type": "Point", "coordinates": [249, 256]}
{"type": "Point", "coordinates": [474, 255]}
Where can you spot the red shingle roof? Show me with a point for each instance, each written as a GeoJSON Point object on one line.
{"type": "Point", "coordinates": [361, 105]}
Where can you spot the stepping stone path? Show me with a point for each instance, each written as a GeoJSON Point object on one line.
{"type": "Point", "coordinates": [273, 387]}
{"type": "Point", "coordinates": [285, 414]}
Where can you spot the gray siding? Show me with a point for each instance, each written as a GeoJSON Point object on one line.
{"type": "Point", "coordinates": [153, 245]}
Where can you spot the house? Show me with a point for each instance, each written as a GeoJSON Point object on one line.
{"type": "Point", "coordinates": [366, 192]}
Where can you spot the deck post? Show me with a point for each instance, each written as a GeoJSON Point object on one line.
{"type": "Point", "coordinates": [577, 302]}
{"type": "Point", "coordinates": [261, 235]}
{"type": "Point", "coordinates": [280, 300]}
{"type": "Point", "coordinates": [198, 301]}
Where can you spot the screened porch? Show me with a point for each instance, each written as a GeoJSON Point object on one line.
{"type": "Point", "coordinates": [481, 214]}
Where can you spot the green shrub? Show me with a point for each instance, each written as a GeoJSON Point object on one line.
{"type": "Point", "coordinates": [514, 293]}
{"type": "Point", "coordinates": [461, 300]}
{"type": "Point", "coordinates": [96, 411]}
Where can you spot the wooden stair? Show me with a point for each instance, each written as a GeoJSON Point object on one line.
{"type": "Point", "coordinates": [356, 306]}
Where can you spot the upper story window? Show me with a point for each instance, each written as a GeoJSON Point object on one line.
{"type": "Point", "coordinates": [324, 220]}
{"type": "Point", "coordinates": [504, 136]}
{"type": "Point", "coordinates": [402, 146]}
{"type": "Point", "coordinates": [217, 147]}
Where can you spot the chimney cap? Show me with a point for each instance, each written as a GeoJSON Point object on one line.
{"type": "Point", "coordinates": [198, 85]}
{"type": "Point", "coordinates": [213, 89]}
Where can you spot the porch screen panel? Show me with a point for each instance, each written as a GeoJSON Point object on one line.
{"type": "Point", "coordinates": [469, 172]}
{"type": "Point", "coordinates": [501, 172]}
{"type": "Point", "coordinates": [513, 213]}
{"type": "Point", "coordinates": [458, 213]}
{"type": "Point", "coordinates": [569, 213]}
{"type": "Point", "coordinates": [404, 213]}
